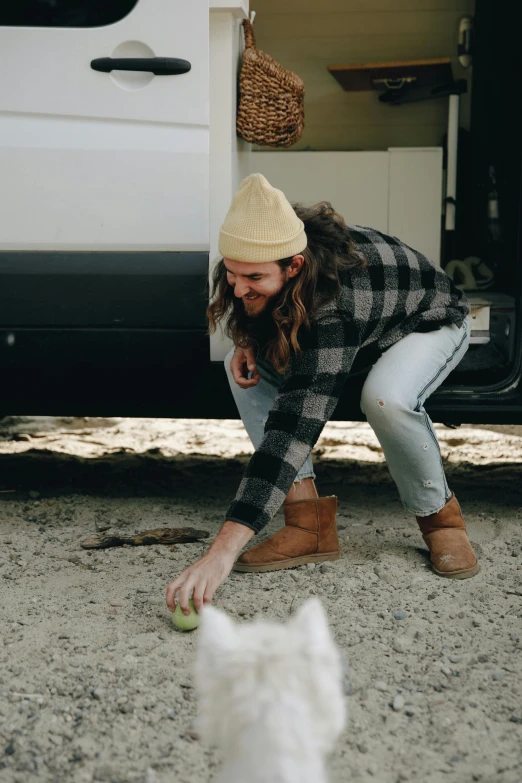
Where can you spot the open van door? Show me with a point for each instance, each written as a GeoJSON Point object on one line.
{"type": "Point", "coordinates": [95, 160]}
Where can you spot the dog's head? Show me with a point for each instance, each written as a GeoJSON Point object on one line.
{"type": "Point", "coordinates": [244, 671]}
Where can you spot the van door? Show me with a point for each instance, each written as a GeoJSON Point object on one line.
{"type": "Point", "coordinates": [112, 160]}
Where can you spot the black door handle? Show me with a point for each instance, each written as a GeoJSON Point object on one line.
{"type": "Point", "coordinates": [160, 66]}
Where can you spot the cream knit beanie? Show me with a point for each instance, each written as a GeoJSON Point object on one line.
{"type": "Point", "coordinates": [260, 225]}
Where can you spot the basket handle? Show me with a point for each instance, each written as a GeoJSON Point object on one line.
{"type": "Point", "coordinates": [250, 40]}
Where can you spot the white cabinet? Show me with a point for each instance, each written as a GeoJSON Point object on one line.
{"type": "Point", "coordinates": [415, 198]}
{"type": "Point", "coordinates": [397, 191]}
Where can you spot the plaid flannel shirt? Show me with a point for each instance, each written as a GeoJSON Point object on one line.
{"type": "Point", "coordinates": [399, 292]}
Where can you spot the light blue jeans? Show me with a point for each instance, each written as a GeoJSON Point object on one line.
{"type": "Point", "coordinates": [392, 400]}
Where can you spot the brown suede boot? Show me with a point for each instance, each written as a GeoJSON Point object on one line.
{"type": "Point", "coordinates": [445, 534]}
{"type": "Point", "coordinates": [309, 536]}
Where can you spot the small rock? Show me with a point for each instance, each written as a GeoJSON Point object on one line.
{"type": "Point", "coordinates": [454, 658]}
{"type": "Point", "coordinates": [398, 702]}
{"type": "Point", "coordinates": [498, 676]}
{"type": "Point", "coordinates": [399, 614]}
{"type": "Point", "coordinates": [34, 494]}
{"type": "Point", "coordinates": [461, 615]}
{"type": "Point", "coordinates": [362, 747]}
{"type": "Point", "coordinates": [310, 566]}
{"type": "Point", "coordinates": [380, 685]}
{"type": "Point", "coordinates": [294, 576]}
{"type": "Point", "coordinates": [483, 658]}
{"type": "Point", "coordinates": [401, 644]}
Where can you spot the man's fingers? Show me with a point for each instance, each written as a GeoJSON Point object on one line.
{"type": "Point", "coordinates": [237, 369]}
{"type": "Point", "coordinates": [185, 593]}
{"type": "Point", "coordinates": [209, 593]}
{"type": "Point", "coordinates": [199, 592]}
{"type": "Point", "coordinates": [172, 588]}
{"type": "Point", "coordinates": [246, 383]}
{"type": "Point", "coordinates": [239, 376]}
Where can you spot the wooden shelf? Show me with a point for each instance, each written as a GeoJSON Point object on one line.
{"type": "Point", "coordinates": [382, 76]}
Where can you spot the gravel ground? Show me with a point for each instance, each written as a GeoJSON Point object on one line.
{"type": "Point", "coordinates": [96, 685]}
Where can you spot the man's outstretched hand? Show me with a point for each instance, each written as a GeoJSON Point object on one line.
{"type": "Point", "coordinates": [201, 579]}
{"type": "Point", "coordinates": [244, 362]}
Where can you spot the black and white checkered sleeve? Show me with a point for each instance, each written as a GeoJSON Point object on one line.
{"type": "Point", "coordinates": [304, 404]}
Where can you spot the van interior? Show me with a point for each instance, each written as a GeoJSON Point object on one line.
{"type": "Point", "coordinates": [421, 54]}
{"type": "Point", "coordinates": [489, 203]}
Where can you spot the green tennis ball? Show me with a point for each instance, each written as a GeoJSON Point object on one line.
{"type": "Point", "coordinates": [185, 622]}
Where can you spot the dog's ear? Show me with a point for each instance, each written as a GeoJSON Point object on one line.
{"type": "Point", "coordinates": [217, 630]}
{"type": "Point", "coordinates": [311, 621]}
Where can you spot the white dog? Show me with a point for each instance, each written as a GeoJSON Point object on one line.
{"type": "Point", "coordinates": [270, 695]}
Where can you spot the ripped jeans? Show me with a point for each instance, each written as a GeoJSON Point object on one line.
{"type": "Point", "coordinates": [392, 400]}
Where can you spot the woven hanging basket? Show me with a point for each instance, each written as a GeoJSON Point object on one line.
{"type": "Point", "coordinates": [271, 98]}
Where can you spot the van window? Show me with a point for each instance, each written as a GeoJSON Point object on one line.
{"type": "Point", "coordinates": [64, 13]}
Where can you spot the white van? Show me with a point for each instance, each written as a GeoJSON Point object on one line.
{"type": "Point", "coordinates": [105, 161]}
{"type": "Point", "coordinates": [118, 161]}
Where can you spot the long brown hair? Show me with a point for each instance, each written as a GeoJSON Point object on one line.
{"type": "Point", "coordinates": [330, 251]}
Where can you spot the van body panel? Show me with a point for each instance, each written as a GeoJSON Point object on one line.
{"type": "Point", "coordinates": [112, 161]}
{"type": "Point", "coordinates": [90, 289]}
{"type": "Point", "coordinates": [114, 186]}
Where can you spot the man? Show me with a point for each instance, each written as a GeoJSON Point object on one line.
{"type": "Point", "coordinates": [301, 293]}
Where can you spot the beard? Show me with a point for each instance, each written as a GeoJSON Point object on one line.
{"type": "Point", "coordinates": [268, 303]}
{"type": "Point", "coordinates": [258, 322]}
{"type": "Point", "coordinates": [253, 310]}
{"type": "Point", "coordinates": [257, 326]}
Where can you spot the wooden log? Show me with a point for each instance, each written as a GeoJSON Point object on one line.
{"type": "Point", "coordinates": [166, 535]}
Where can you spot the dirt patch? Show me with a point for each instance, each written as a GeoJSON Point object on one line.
{"type": "Point", "coordinates": [96, 685]}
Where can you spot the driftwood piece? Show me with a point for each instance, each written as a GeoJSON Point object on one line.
{"type": "Point", "coordinates": [161, 535]}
